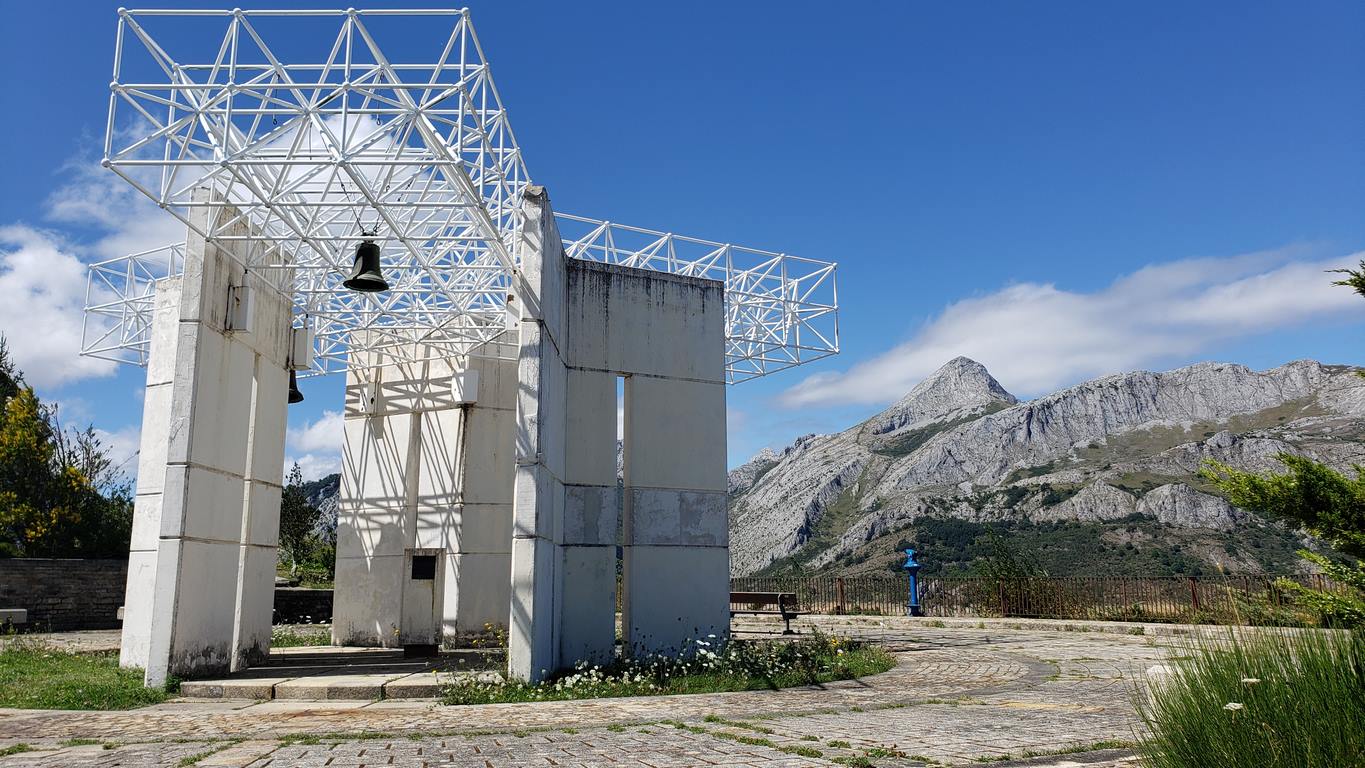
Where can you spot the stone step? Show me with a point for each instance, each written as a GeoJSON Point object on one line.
{"type": "Point", "coordinates": [340, 686]}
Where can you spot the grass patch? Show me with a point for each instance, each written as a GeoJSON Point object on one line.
{"type": "Point", "coordinates": [37, 676]}
{"type": "Point", "coordinates": [289, 637]}
{"type": "Point", "coordinates": [753, 741]}
{"type": "Point", "coordinates": [1094, 746]}
{"type": "Point", "coordinates": [15, 749]}
{"type": "Point", "coordinates": [737, 724]}
{"type": "Point", "coordinates": [740, 665]}
{"type": "Point", "coordinates": [190, 760]}
{"type": "Point", "coordinates": [1270, 700]}
{"type": "Point", "coordinates": [306, 740]}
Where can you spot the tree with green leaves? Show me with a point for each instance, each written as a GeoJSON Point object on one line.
{"type": "Point", "coordinates": [297, 520]}
{"type": "Point", "coordinates": [60, 494]}
{"type": "Point", "coordinates": [1355, 278]}
{"type": "Point", "coordinates": [1328, 504]}
{"type": "Point", "coordinates": [27, 520]}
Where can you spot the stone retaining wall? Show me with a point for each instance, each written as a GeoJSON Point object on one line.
{"type": "Point", "coordinates": [297, 605]}
{"type": "Point", "coordinates": [62, 594]}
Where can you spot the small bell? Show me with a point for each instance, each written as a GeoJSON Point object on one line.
{"type": "Point", "coordinates": [295, 396]}
{"type": "Point", "coordinates": [365, 276]}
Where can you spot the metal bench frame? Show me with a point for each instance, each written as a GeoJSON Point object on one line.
{"type": "Point", "coordinates": [785, 602]}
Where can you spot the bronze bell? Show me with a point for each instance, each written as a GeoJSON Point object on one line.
{"type": "Point", "coordinates": [365, 276]}
{"type": "Point", "coordinates": [295, 396]}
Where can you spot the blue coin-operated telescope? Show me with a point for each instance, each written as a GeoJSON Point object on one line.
{"type": "Point", "coordinates": [912, 567]}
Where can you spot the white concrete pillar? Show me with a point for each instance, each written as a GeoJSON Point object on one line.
{"type": "Point", "coordinates": [478, 584]}
{"type": "Point", "coordinates": [373, 529]}
{"type": "Point", "coordinates": [541, 421]}
{"type": "Point", "coordinates": [583, 325]}
{"type": "Point", "coordinates": [206, 517]}
{"type": "Point", "coordinates": [676, 569]}
{"type": "Point", "coordinates": [587, 602]}
{"type": "Point", "coordinates": [424, 473]}
{"type": "Point", "coordinates": [665, 334]}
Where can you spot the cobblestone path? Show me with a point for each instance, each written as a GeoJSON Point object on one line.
{"type": "Point", "coordinates": [958, 696]}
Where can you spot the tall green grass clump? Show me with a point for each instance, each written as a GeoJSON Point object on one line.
{"type": "Point", "coordinates": [1267, 699]}
{"type": "Point", "coordinates": [37, 676]}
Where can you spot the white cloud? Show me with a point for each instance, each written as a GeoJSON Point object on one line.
{"type": "Point", "coordinates": [43, 285]}
{"type": "Point", "coordinates": [1035, 337]}
{"type": "Point", "coordinates": [43, 274]}
{"type": "Point", "coordinates": [123, 445]}
{"type": "Point", "coordinates": [323, 435]}
{"type": "Point", "coordinates": [98, 199]}
{"type": "Point", "coordinates": [316, 446]}
{"type": "Point", "coordinates": [313, 465]}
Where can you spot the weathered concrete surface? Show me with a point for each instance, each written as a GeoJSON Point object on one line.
{"type": "Point", "coordinates": [584, 325]}
{"type": "Point", "coordinates": [427, 468]}
{"type": "Point", "coordinates": [206, 516]}
{"type": "Point", "coordinates": [500, 473]}
{"type": "Point", "coordinates": [542, 422]}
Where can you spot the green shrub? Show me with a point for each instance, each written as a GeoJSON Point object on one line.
{"type": "Point", "coordinates": [1269, 699]}
{"type": "Point", "coordinates": [734, 666]}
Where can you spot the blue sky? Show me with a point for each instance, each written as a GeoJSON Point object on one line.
{"type": "Point", "coordinates": [1059, 190]}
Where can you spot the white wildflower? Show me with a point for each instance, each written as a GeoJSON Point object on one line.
{"type": "Point", "coordinates": [1232, 706]}
{"type": "Point", "coordinates": [1250, 680]}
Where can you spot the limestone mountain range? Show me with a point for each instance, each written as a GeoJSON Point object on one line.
{"type": "Point", "coordinates": [960, 447]}
{"type": "Point", "coordinates": [1120, 447]}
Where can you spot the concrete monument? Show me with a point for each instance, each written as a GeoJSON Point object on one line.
{"type": "Point", "coordinates": [484, 339]}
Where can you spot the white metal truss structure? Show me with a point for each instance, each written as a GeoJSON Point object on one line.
{"type": "Point", "coordinates": [295, 132]}
{"type": "Point", "coordinates": [780, 310]}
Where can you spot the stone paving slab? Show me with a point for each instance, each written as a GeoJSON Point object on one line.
{"type": "Point", "coordinates": [420, 685]}
{"type": "Point", "coordinates": [957, 696]}
{"type": "Point", "coordinates": [328, 687]}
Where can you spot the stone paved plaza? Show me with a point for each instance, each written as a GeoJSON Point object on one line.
{"type": "Point", "coordinates": [959, 695]}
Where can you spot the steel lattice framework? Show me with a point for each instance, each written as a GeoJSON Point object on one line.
{"type": "Point", "coordinates": [293, 131]}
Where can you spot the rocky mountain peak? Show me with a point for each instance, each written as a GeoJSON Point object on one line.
{"type": "Point", "coordinates": [743, 477]}
{"type": "Point", "coordinates": [961, 387]}
{"type": "Point", "coordinates": [1122, 451]}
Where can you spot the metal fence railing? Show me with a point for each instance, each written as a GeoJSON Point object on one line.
{"type": "Point", "coordinates": [1217, 599]}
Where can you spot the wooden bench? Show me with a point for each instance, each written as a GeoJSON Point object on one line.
{"type": "Point", "coordinates": [767, 604]}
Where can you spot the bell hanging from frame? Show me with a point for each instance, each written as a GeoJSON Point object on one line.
{"type": "Point", "coordinates": [365, 275]}
{"type": "Point", "coordinates": [295, 396]}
